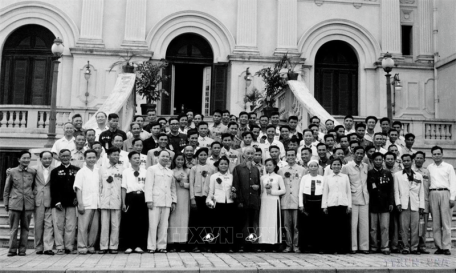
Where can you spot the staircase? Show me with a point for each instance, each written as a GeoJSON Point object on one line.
{"type": "Point", "coordinates": [4, 229]}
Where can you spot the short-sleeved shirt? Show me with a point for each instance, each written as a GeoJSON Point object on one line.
{"type": "Point", "coordinates": [88, 181]}
{"type": "Point", "coordinates": [63, 143]}
{"type": "Point", "coordinates": [132, 183]}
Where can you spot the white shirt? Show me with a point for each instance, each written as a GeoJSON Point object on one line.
{"type": "Point", "coordinates": [143, 135]}
{"type": "Point", "coordinates": [220, 190]}
{"type": "Point", "coordinates": [306, 184]}
{"type": "Point", "coordinates": [314, 152]}
{"type": "Point", "coordinates": [88, 182]}
{"type": "Point", "coordinates": [265, 148]}
{"type": "Point", "coordinates": [205, 142]}
{"type": "Point", "coordinates": [443, 176]}
{"type": "Point", "coordinates": [63, 143]}
{"type": "Point", "coordinates": [98, 132]}
{"type": "Point", "coordinates": [77, 157]}
{"type": "Point", "coordinates": [336, 191]}
{"type": "Point", "coordinates": [46, 173]}
{"type": "Point", "coordinates": [132, 183]}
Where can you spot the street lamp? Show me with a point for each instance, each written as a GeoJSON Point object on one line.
{"type": "Point", "coordinates": [87, 74]}
{"type": "Point", "coordinates": [388, 64]}
{"type": "Point", "coordinates": [57, 51]}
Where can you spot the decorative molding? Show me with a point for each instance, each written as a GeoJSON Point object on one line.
{"type": "Point", "coordinates": [135, 24]}
{"type": "Point", "coordinates": [407, 2]}
{"type": "Point", "coordinates": [92, 23]}
{"type": "Point", "coordinates": [357, 5]}
{"type": "Point", "coordinates": [216, 33]}
{"type": "Point", "coordinates": [287, 28]}
{"type": "Point", "coordinates": [407, 16]}
{"type": "Point", "coordinates": [109, 52]}
{"type": "Point", "coordinates": [319, 2]}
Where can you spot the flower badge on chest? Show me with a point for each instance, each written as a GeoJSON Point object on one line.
{"type": "Point", "coordinates": [219, 180]}
{"type": "Point", "coordinates": [109, 179]}
{"type": "Point", "coordinates": [287, 175]}
{"type": "Point", "coordinates": [156, 153]}
{"type": "Point", "coordinates": [204, 174]}
{"type": "Point", "coordinates": [136, 173]}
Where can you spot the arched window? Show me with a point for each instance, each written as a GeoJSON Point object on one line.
{"type": "Point", "coordinates": [26, 69]}
{"type": "Point", "coordinates": [336, 78]}
{"type": "Point", "coordinates": [198, 83]}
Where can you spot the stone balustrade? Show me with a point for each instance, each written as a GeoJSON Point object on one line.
{"type": "Point", "coordinates": [35, 119]}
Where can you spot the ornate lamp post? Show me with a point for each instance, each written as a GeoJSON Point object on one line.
{"type": "Point", "coordinates": [57, 51]}
{"type": "Point", "coordinates": [87, 74]}
{"type": "Point", "coordinates": [388, 64]}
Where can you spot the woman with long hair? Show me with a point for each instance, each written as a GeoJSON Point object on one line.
{"type": "Point", "coordinates": [220, 198]}
{"type": "Point", "coordinates": [178, 220]}
{"type": "Point", "coordinates": [272, 187]}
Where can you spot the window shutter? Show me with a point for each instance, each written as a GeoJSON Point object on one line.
{"type": "Point", "coordinates": [219, 86]}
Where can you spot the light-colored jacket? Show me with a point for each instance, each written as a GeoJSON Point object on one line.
{"type": "Point", "coordinates": [160, 186]}
{"type": "Point", "coordinates": [220, 188]}
{"type": "Point", "coordinates": [405, 190]}
{"type": "Point", "coordinates": [42, 189]}
{"type": "Point", "coordinates": [358, 182]}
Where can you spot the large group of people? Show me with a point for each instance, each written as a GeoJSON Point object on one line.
{"type": "Point", "coordinates": [239, 183]}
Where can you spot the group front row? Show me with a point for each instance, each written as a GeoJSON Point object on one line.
{"type": "Point", "coordinates": [209, 208]}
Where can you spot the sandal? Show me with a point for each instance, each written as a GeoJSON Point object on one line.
{"type": "Point", "coordinates": [162, 251]}
{"type": "Point", "coordinates": [151, 251]}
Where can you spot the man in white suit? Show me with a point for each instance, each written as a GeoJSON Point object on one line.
{"type": "Point", "coordinates": [409, 199]}
{"type": "Point", "coordinates": [44, 230]}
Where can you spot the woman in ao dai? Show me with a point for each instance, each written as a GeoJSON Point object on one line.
{"type": "Point", "coordinates": [178, 221]}
{"type": "Point", "coordinates": [272, 186]}
{"type": "Point", "coordinates": [220, 198]}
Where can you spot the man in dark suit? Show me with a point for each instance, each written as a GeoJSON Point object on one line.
{"type": "Point", "coordinates": [63, 203]}
{"type": "Point", "coordinates": [44, 231]}
{"type": "Point", "coordinates": [19, 203]}
{"type": "Point", "coordinates": [246, 182]}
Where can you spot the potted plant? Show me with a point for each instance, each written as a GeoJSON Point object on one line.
{"type": "Point", "coordinates": [253, 98]}
{"type": "Point", "coordinates": [126, 63]}
{"type": "Point", "coordinates": [288, 66]}
{"type": "Point", "coordinates": [274, 83]}
{"type": "Point", "coordinates": [149, 75]}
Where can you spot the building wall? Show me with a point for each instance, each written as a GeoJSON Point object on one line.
{"type": "Point", "coordinates": [300, 27]}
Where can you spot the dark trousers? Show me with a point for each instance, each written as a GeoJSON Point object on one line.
{"type": "Point", "coordinates": [198, 224]}
{"type": "Point", "coordinates": [248, 226]}
{"type": "Point", "coordinates": [135, 223]}
{"type": "Point", "coordinates": [339, 239]}
{"type": "Point", "coordinates": [224, 226]}
{"type": "Point", "coordinates": [313, 226]}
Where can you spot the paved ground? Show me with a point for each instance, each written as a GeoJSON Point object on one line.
{"type": "Point", "coordinates": [219, 262]}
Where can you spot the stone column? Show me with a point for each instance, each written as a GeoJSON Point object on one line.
{"type": "Point", "coordinates": [247, 30]}
{"type": "Point", "coordinates": [91, 24]}
{"type": "Point", "coordinates": [391, 27]}
{"type": "Point", "coordinates": [287, 27]}
{"type": "Point", "coordinates": [135, 24]}
{"type": "Point", "coordinates": [425, 11]}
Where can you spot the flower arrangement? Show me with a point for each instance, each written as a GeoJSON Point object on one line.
{"type": "Point", "coordinates": [109, 179]}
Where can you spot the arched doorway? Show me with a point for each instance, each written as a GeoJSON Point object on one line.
{"type": "Point", "coordinates": [197, 83]}
{"type": "Point", "coordinates": [336, 78]}
{"type": "Point", "coordinates": [26, 69]}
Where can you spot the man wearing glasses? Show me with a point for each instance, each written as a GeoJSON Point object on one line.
{"type": "Point", "coordinates": [177, 140]}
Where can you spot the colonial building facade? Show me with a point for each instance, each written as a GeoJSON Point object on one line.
{"type": "Point", "coordinates": [210, 44]}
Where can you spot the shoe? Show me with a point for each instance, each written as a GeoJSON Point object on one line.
{"type": "Point", "coordinates": [386, 252]}
{"type": "Point", "coordinates": [445, 252]}
{"type": "Point", "coordinates": [182, 251]}
{"type": "Point", "coordinates": [61, 251]}
{"type": "Point", "coordinates": [241, 250]}
{"type": "Point", "coordinates": [150, 251]}
{"type": "Point", "coordinates": [102, 251]}
{"type": "Point", "coordinates": [82, 252]}
{"type": "Point", "coordinates": [415, 252]}
{"type": "Point", "coordinates": [172, 250]}
{"type": "Point", "coordinates": [353, 252]}
{"type": "Point", "coordinates": [258, 250]}
{"type": "Point", "coordinates": [162, 251]}
{"type": "Point", "coordinates": [287, 250]}
{"type": "Point", "coordinates": [91, 251]}
{"type": "Point", "coordinates": [11, 254]}
{"type": "Point", "coordinates": [395, 251]}
{"type": "Point", "coordinates": [405, 251]}
{"type": "Point", "coordinates": [139, 250]}
{"type": "Point", "coordinates": [49, 252]}
{"type": "Point", "coordinates": [39, 252]}
{"type": "Point", "coordinates": [364, 251]}
{"type": "Point", "coordinates": [128, 251]}
{"type": "Point", "coordinates": [373, 251]}
{"type": "Point", "coordinates": [230, 251]}
{"type": "Point", "coordinates": [21, 253]}
{"type": "Point", "coordinates": [424, 251]}
{"type": "Point", "coordinates": [297, 250]}
{"type": "Point", "coordinates": [438, 251]}
{"type": "Point", "coordinates": [196, 250]}
{"type": "Point", "coordinates": [113, 251]}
